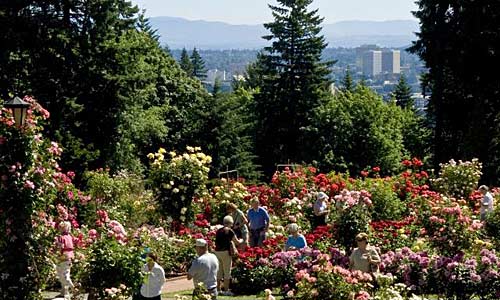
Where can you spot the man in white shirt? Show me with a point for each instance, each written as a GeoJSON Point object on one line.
{"type": "Point", "coordinates": [153, 280]}
{"type": "Point", "coordinates": [486, 202]}
{"type": "Point", "coordinates": [204, 269]}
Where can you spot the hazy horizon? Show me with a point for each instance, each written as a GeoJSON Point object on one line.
{"type": "Point", "coordinates": [243, 12]}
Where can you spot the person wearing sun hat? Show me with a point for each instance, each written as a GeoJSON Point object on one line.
{"type": "Point", "coordinates": [320, 210]}
{"type": "Point", "coordinates": [364, 258]}
{"type": "Point", "coordinates": [204, 270]}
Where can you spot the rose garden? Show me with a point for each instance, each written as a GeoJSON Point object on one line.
{"type": "Point", "coordinates": [426, 225]}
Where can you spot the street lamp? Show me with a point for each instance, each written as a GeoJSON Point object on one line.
{"type": "Point", "coordinates": [19, 110]}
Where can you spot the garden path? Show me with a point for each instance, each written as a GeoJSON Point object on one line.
{"type": "Point", "coordinates": [173, 285]}
{"type": "Point", "coordinates": [177, 284]}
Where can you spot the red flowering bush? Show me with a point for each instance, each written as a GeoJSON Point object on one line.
{"type": "Point", "coordinates": [390, 235]}
{"type": "Point", "coordinates": [353, 216]}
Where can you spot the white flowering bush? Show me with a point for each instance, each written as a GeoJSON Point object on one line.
{"type": "Point", "coordinates": [177, 179]}
{"type": "Point", "coordinates": [225, 193]}
{"type": "Point", "coordinates": [458, 180]}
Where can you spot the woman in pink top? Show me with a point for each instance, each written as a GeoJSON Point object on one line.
{"type": "Point", "coordinates": [64, 243]}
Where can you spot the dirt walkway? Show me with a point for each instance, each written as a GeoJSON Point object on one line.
{"type": "Point", "coordinates": [177, 284]}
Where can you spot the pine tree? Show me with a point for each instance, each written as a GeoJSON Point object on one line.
{"type": "Point", "coordinates": [347, 82]}
{"type": "Point", "coordinates": [199, 70]}
{"type": "Point", "coordinates": [402, 93]}
{"type": "Point", "coordinates": [185, 62]}
{"type": "Point", "coordinates": [144, 25]}
{"type": "Point", "coordinates": [458, 51]}
{"type": "Point", "coordinates": [294, 82]}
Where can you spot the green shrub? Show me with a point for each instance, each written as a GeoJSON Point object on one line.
{"type": "Point", "coordinates": [492, 226]}
{"type": "Point", "coordinates": [386, 203]}
{"type": "Point", "coordinates": [177, 181]}
{"type": "Point", "coordinates": [122, 195]}
{"type": "Point", "coordinates": [112, 264]}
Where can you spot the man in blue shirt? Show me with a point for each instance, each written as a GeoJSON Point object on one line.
{"type": "Point", "coordinates": [258, 219]}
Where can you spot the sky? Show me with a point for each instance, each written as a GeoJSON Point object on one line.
{"type": "Point", "coordinates": [257, 12]}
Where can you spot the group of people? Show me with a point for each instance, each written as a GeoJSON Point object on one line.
{"type": "Point", "coordinates": [211, 272]}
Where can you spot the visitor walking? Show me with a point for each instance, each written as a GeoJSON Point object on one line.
{"type": "Point", "coordinates": [259, 223]}
{"type": "Point", "coordinates": [240, 227]}
{"type": "Point", "coordinates": [320, 210]}
{"type": "Point", "coordinates": [486, 202]}
{"type": "Point", "coordinates": [153, 280]}
{"type": "Point", "coordinates": [225, 245]}
{"type": "Point", "coordinates": [64, 245]}
{"type": "Point", "coordinates": [203, 271]}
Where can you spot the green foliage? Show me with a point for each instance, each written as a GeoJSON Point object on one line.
{"type": "Point", "coordinates": [233, 126]}
{"type": "Point", "coordinates": [115, 95]}
{"type": "Point", "coordinates": [122, 195]}
{"type": "Point", "coordinates": [28, 179]}
{"type": "Point", "coordinates": [111, 264]}
{"type": "Point", "coordinates": [355, 130]}
{"type": "Point", "coordinates": [174, 255]}
{"type": "Point", "coordinates": [464, 106]}
{"type": "Point", "coordinates": [417, 136]}
{"type": "Point", "coordinates": [250, 278]}
{"type": "Point", "coordinates": [347, 82]}
{"type": "Point", "coordinates": [492, 226]}
{"type": "Point", "coordinates": [178, 181]}
{"type": "Point", "coordinates": [353, 216]}
{"type": "Point", "coordinates": [386, 203]}
{"type": "Point", "coordinates": [198, 64]}
{"type": "Point", "coordinates": [328, 285]}
{"type": "Point", "coordinates": [293, 82]}
{"type": "Point", "coordinates": [402, 93]}
{"type": "Point", "coordinates": [185, 62]}
{"type": "Point", "coordinates": [458, 179]}
{"type": "Point", "coordinates": [54, 51]}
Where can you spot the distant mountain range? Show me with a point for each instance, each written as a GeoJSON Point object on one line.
{"type": "Point", "coordinates": [179, 33]}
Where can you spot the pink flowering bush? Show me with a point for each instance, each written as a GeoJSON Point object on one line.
{"type": "Point", "coordinates": [449, 226]}
{"type": "Point", "coordinates": [353, 216]}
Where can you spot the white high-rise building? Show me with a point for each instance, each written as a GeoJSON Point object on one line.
{"type": "Point", "coordinates": [372, 63]}
{"type": "Point", "coordinates": [391, 61]}
{"type": "Point", "coordinates": [214, 74]}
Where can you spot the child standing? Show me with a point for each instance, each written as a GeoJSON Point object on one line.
{"type": "Point", "coordinates": [64, 244]}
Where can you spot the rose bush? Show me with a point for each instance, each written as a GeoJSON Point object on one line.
{"type": "Point", "coordinates": [177, 180]}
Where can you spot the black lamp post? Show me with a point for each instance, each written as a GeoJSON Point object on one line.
{"type": "Point", "coordinates": [19, 110]}
{"type": "Point", "coordinates": [22, 282]}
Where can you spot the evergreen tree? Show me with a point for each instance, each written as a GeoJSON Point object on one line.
{"type": "Point", "coordinates": [347, 82]}
{"type": "Point", "coordinates": [402, 93]}
{"type": "Point", "coordinates": [199, 70]}
{"type": "Point", "coordinates": [464, 106]}
{"type": "Point", "coordinates": [294, 82]}
{"type": "Point", "coordinates": [185, 62]}
{"type": "Point", "coordinates": [217, 87]}
{"type": "Point", "coordinates": [144, 25]}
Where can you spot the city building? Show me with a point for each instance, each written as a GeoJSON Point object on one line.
{"type": "Point", "coordinates": [372, 62]}
{"type": "Point", "coordinates": [361, 50]}
{"type": "Point", "coordinates": [391, 61]}
{"type": "Point", "coordinates": [214, 74]}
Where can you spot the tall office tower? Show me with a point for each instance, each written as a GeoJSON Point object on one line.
{"type": "Point", "coordinates": [361, 50]}
{"type": "Point", "coordinates": [372, 63]}
{"type": "Point", "coordinates": [391, 61]}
